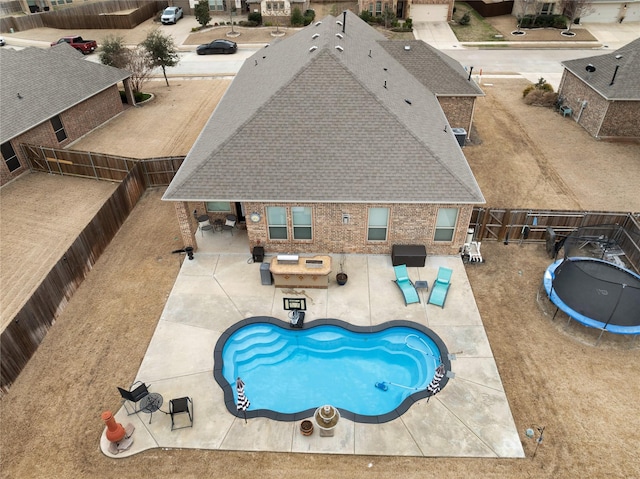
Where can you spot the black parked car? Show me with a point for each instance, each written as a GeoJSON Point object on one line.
{"type": "Point", "coordinates": [217, 46]}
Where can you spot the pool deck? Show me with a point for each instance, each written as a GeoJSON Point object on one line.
{"type": "Point", "coordinates": [470, 417]}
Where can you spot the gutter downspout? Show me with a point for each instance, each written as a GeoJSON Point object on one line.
{"type": "Point", "coordinates": [602, 121]}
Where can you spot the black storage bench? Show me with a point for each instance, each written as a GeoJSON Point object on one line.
{"type": "Point", "coordinates": [410, 254]}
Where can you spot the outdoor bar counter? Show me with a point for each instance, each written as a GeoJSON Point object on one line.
{"type": "Point", "coordinates": [291, 271]}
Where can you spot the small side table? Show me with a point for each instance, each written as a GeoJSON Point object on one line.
{"type": "Point", "coordinates": [421, 285]}
{"type": "Point", "coordinates": [217, 225]}
{"type": "Point", "coordinates": [151, 403]}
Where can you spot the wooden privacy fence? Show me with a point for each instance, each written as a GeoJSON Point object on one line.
{"type": "Point", "coordinates": [518, 225]}
{"type": "Point", "coordinates": [156, 171]}
{"type": "Point", "coordinates": [112, 14]}
{"type": "Point", "coordinates": [22, 336]}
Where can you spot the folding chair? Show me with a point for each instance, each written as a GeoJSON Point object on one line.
{"type": "Point", "coordinates": [180, 406]}
{"type": "Point", "coordinates": [133, 396]}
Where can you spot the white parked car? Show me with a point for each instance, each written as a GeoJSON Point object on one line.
{"type": "Point", "coordinates": [171, 15]}
{"type": "Point", "coordinates": [2, 42]}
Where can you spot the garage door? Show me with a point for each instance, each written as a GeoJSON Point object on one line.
{"type": "Point", "coordinates": [429, 13]}
{"type": "Point", "coordinates": [603, 13]}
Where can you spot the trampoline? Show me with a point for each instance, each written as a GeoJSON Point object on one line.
{"type": "Point", "coordinates": [595, 293]}
{"type": "Point", "coordinates": [594, 283]}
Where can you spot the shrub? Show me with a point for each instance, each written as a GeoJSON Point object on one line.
{"type": "Point", "coordinates": [541, 98]}
{"type": "Point", "coordinates": [543, 21]}
{"type": "Point", "coordinates": [255, 17]}
{"type": "Point", "coordinates": [309, 16]}
{"type": "Point", "coordinates": [248, 23]}
{"type": "Point", "coordinates": [408, 24]}
{"type": "Point", "coordinates": [528, 90]}
{"type": "Point", "coordinates": [297, 19]}
{"type": "Point", "coordinates": [465, 20]}
{"type": "Point", "coordinates": [366, 16]}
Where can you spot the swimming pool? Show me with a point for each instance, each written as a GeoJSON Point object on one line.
{"type": "Point", "coordinates": [288, 372]}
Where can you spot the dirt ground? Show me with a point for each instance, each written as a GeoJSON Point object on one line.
{"type": "Point", "coordinates": [585, 395]}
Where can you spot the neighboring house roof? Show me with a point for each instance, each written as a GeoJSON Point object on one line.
{"type": "Point", "coordinates": [440, 73]}
{"type": "Point", "coordinates": [48, 81]}
{"type": "Point", "coordinates": [627, 81]}
{"type": "Point", "coordinates": [326, 116]}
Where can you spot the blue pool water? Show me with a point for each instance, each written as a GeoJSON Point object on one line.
{"type": "Point", "coordinates": [291, 370]}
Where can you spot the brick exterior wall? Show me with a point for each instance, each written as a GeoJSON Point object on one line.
{"type": "Point", "coordinates": [408, 224]}
{"type": "Point", "coordinates": [600, 117]}
{"type": "Point", "coordinates": [77, 121]}
{"type": "Point", "coordinates": [458, 110]}
{"type": "Point", "coordinates": [622, 121]}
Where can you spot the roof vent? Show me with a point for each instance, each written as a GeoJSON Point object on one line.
{"type": "Point", "coordinates": [339, 35]}
{"type": "Point", "coordinates": [315, 35]}
{"type": "Point", "coordinates": [407, 101]}
{"type": "Point", "coordinates": [313, 48]}
{"type": "Point", "coordinates": [318, 24]}
{"type": "Point", "coordinates": [339, 48]}
{"type": "Point", "coordinates": [338, 22]}
{"type": "Point", "coordinates": [407, 48]}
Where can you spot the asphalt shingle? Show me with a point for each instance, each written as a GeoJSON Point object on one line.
{"type": "Point", "coordinates": [37, 84]}
{"type": "Point", "coordinates": [627, 79]}
{"type": "Point", "coordinates": [307, 121]}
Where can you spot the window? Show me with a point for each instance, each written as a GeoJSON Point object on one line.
{"type": "Point", "coordinates": [58, 128]}
{"type": "Point", "coordinates": [378, 9]}
{"type": "Point", "coordinates": [371, 8]}
{"type": "Point", "coordinates": [547, 9]}
{"type": "Point", "coordinates": [277, 221]}
{"type": "Point", "coordinates": [301, 222]}
{"type": "Point", "coordinates": [10, 157]}
{"type": "Point", "coordinates": [218, 207]}
{"type": "Point", "coordinates": [446, 224]}
{"type": "Point", "coordinates": [378, 224]}
{"type": "Point", "coordinates": [216, 5]}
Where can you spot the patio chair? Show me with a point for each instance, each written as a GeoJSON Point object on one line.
{"type": "Point", "coordinates": [133, 396]}
{"type": "Point", "coordinates": [406, 286]}
{"type": "Point", "coordinates": [180, 406]}
{"type": "Point", "coordinates": [230, 223]}
{"type": "Point", "coordinates": [205, 225]}
{"type": "Point", "coordinates": [440, 287]}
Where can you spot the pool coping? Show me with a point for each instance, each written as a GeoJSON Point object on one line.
{"type": "Point", "coordinates": [403, 407]}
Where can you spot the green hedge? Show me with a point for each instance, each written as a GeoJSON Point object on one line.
{"type": "Point", "coordinates": [544, 21]}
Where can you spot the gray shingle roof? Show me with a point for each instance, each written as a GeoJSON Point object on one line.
{"type": "Point", "coordinates": [627, 82]}
{"type": "Point", "coordinates": [440, 73]}
{"type": "Point", "coordinates": [49, 81]}
{"type": "Point", "coordinates": [326, 125]}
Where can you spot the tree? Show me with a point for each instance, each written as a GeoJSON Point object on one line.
{"type": "Point", "coordinates": [140, 66]}
{"type": "Point", "coordinates": [113, 52]}
{"type": "Point", "coordinates": [162, 51]}
{"type": "Point", "coordinates": [201, 12]}
{"type": "Point", "coordinates": [388, 16]}
{"type": "Point", "coordinates": [116, 54]}
{"type": "Point", "coordinates": [574, 9]}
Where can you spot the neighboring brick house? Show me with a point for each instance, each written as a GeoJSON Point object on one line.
{"type": "Point", "coordinates": [452, 84]}
{"type": "Point", "coordinates": [417, 10]}
{"type": "Point", "coordinates": [51, 97]}
{"type": "Point", "coordinates": [603, 92]}
{"type": "Point", "coordinates": [277, 12]}
{"type": "Point", "coordinates": [327, 144]}
{"type": "Point", "coordinates": [594, 11]}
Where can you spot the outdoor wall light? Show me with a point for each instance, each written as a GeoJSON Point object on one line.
{"type": "Point", "coordinates": [345, 218]}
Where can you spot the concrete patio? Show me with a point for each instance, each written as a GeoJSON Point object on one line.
{"type": "Point", "coordinates": [470, 417]}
